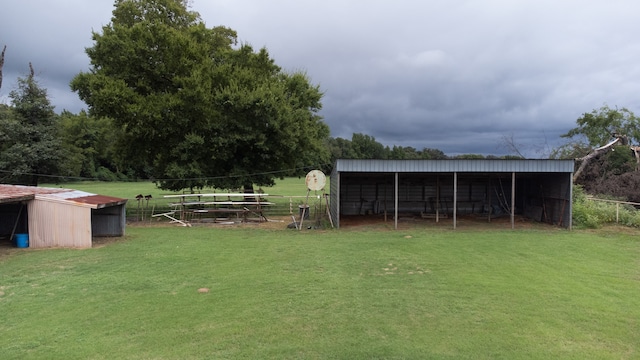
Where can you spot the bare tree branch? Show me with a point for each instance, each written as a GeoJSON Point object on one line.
{"type": "Point", "coordinates": [586, 159]}
{"type": "Point", "coordinates": [509, 143]}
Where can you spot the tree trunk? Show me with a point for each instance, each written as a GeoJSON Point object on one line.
{"type": "Point", "coordinates": [248, 189]}
{"type": "Point", "coordinates": [636, 153]}
{"type": "Point", "coordinates": [586, 159]}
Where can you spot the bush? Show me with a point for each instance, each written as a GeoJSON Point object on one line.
{"type": "Point", "coordinates": [104, 174]}
{"type": "Point", "coordinates": [594, 214]}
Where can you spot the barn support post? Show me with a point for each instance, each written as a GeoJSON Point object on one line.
{"type": "Point", "coordinates": [385, 202]}
{"type": "Point", "coordinates": [437, 198]}
{"type": "Point", "coordinates": [570, 200]}
{"type": "Point", "coordinates": [513, 200]}
{"type": "Point", "coordinates": [15, 225]}
{"type": "Point", "coordinates": [455, 199]}
{"type": "Point", "coordinates": [123, 219]}
{"type": "Point", "coordinates": [488, 195]}
{"type": "Point", "coordinates": [336, 204]}
{"type": "Point", "coordinates": [395, 200]}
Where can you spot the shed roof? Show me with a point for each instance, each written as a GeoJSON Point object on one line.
{"type": "Point", "coordinates": [449, 166]}
{"type": "Point", "coordinates": [17, 193]}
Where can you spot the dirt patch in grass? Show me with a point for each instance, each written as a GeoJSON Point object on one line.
{"type": "Point", "coordinates": [467, 222]}
{"type": "Point", "coordinates": [273, 222]}
{"type": "Point", "coordinates": [7, 247]}
{"type": "Point", "coordinates": [370, 222]}
{"type": "Point", "coordinates": [99, 242]}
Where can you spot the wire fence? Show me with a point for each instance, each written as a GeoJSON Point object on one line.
{"type": "Point", "coordinates": [617, 203]}
{"type": "Point", "coordinates": [147, 209]}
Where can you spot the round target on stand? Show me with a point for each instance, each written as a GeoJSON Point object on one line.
{"type": "Point", "coordinates": [315, 180]}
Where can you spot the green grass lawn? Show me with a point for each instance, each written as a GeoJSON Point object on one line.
{"type": "Point", "coordinates": [129, 190]}
{"type": "Point", "coordinates": [278, 294]}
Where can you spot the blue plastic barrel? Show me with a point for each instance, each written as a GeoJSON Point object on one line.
{"type": "Point", "coordinates": [22, 240]}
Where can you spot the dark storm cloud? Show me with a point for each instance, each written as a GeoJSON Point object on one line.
{"type": "Point", "coordinates": [52, 35]}
{"type": "Point", "coordinates": [453, 75]}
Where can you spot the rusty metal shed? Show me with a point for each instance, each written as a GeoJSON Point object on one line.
{"type": "Point", "coordinates": [443, 190]}
{"type": "Point", "coordinates": [56, 217]}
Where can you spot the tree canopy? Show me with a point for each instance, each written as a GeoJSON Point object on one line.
{"type": "Point", "coordinates": [89, 145]}
{"type": "Point", "coordinates": [362, 146]}
{"type": "Point", "coordinates": [29, 147]}
{"type": "Point", "coordinates": [597, 133]}
{"type": "Point", "coordinates": [601, 125]}
{"type": "Point", "coordinates": [194, 108]}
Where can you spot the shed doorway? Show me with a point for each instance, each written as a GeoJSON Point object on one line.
{"type": "Point", "coordinates": [445, 196]}
{"type": "Point", "coordinates": [14, 219]}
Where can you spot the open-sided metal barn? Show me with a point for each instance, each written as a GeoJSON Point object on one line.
{"type": "Point", "coordinates": [55, 217]}
{"type": "Point", "coordinates": [446, 189]}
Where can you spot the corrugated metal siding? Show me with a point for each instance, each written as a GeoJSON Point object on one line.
{"type": "Point", "coordinates": [334, 196]}
{"type": "Point", "coordinates": [424, 194]}
{"type": "Point", "coordinates": [557, 197]}
{"type": "Point", "coordinates": [108, 221]}
{"type": "Point", "coordinates": [448, 166]}
{"type": "Point", "coordinates": [53, 224]}
{"type": "Point", "coordinates": [15, 193]}
{"type": "Point", "coordinates": [60, 217]}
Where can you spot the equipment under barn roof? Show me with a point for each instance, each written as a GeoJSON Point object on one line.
{"type": "Point", "coordinates": [445, 189]}
{"type": "Point", "coordinates": [56, 217]}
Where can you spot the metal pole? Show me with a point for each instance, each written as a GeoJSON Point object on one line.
{"type": "Point", "coordinates": [570, 200]}
{"type": "Point", "coordinates": [338, 200]}
{"type": "Point", "coordinates": [455, 199]}
{"type": "Point", "coordinates": [438, 198]}
{"type": "Point", "coordinates": [396, 204]}
{"type": "Point", "coordinates": [513, 200]}
{"type": "Point", "coordinates": [489, 199]}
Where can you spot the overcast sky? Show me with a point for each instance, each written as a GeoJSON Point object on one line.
{"type": "Point", "coordinates": [453, 75]}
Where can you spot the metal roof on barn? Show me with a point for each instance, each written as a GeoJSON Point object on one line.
{"type": "Point", "coordinates": [17, 193]}
{"type": "Point", "coordinates": [456, 165]}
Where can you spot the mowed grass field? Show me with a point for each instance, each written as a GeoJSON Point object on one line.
{"type": "Point", "coordinates": [371, 293]}
{"type": "Point", "coordinates": [284, 294]}
{"type": "Point", "coordinates": [129, 190]}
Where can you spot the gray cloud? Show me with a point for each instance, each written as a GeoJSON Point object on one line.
{"type": "Point", "coordinates": [453, 75]}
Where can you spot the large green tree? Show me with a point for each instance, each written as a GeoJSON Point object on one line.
{"type": "Point", "coordinates": [366, 147]}
{"type": "Point", "coordinates": [601, 130]}
{"type": "Point", "coordinates": [89, 146]}
{"type": "Point", "coordinates": [196, 109]}
{"type": "Point", "coordinates": [601, 125]}
{"type": "Point", "coordinates": [29, 147]}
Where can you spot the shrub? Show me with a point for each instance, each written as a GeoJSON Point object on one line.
{"type": "Point", "coordinates": [593, 214]}
{"type": "Point", "coordinates": [104, 174]}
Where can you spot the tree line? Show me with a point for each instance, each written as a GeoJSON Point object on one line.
{"type": "Point", "coordinates": [37, 145]}
{"type": "Point", "coordinates": [184, 105]}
